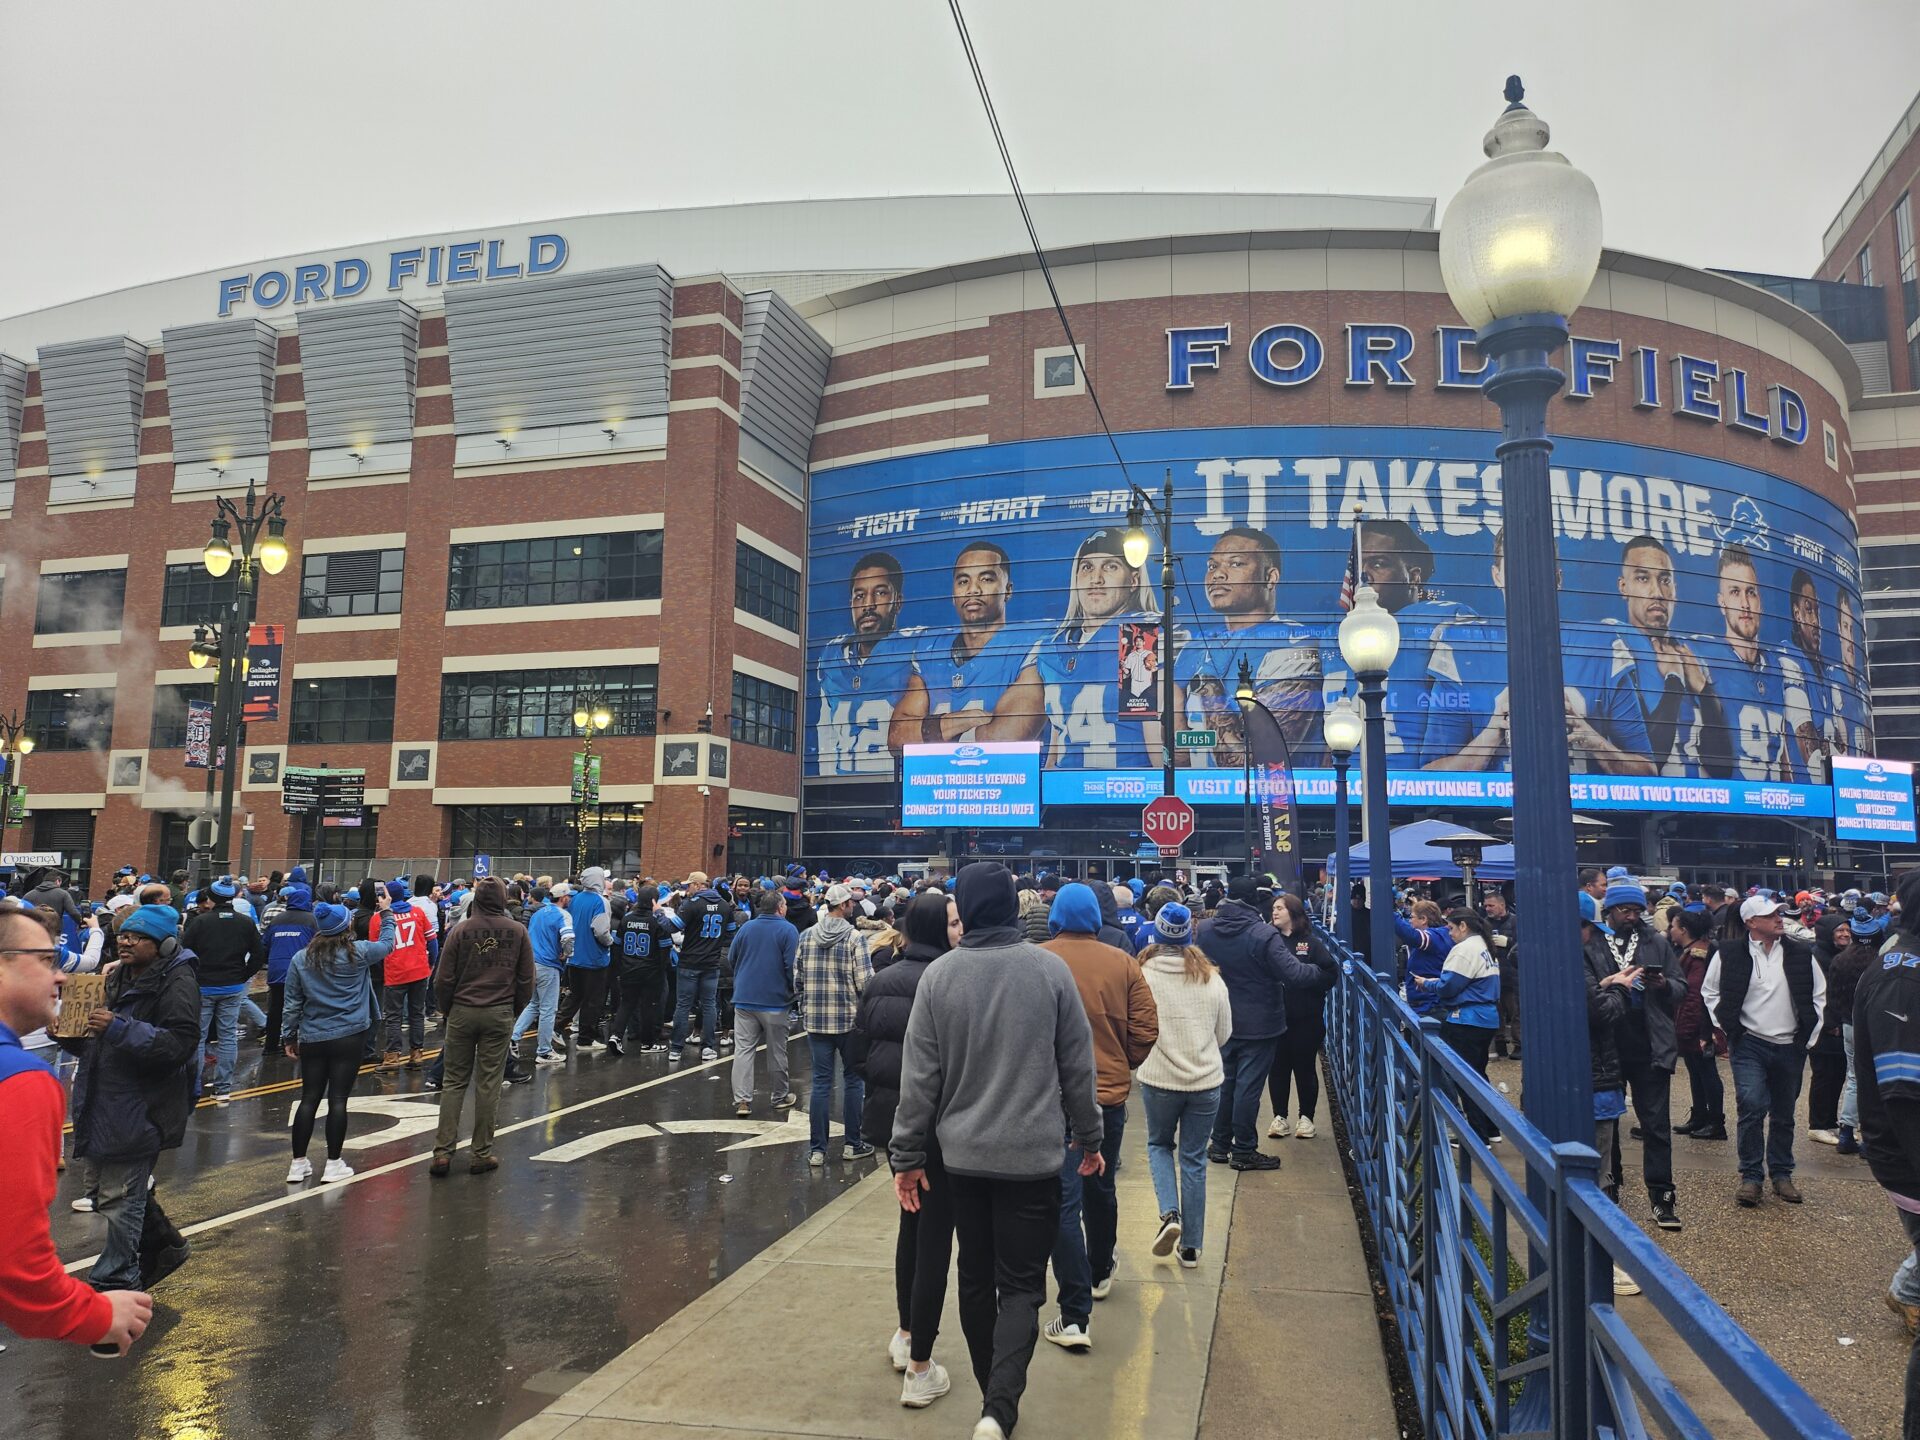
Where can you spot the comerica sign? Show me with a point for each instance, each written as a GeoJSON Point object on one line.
{"type": "Point", "coordinates": [459, 263]}
{"type": "Point", "coordinates": [1286, 355]}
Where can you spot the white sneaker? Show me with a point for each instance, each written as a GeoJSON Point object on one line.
{"type": "Point", "coordinates": [84, 1205]}
{"type": "Point", "coordinates": [707, 1052]}
{"type": "Point", "coordinates": [550, 1058]}
{"type": "Point", "coordinates": [1304, 1130]}
{"type": "Point", "coordinates": [988, 1429]}
{"type": "Point", "coordinates": [560, 1043]}
{"type": "Point", "coordinates": [223, 1099]}
{"type": "Point", "coordinates": [919, 1391]}
{"type": "Point", "coordinates": [1103, 1288]}
{"type": "Point", "coordinates": [899, 1351]}
{"type": "Point", "coordinates": [1623, 1283]}
{"type": "Point", "coordinates": [336, 1170]}
{"type": "Point", "coordinates": [300, 1171]}
{"type": "Point", "coordinates": [1278, 1130]}
{"type": "Point", "coordinates": [1824, 1137]}
{"type": "Point", "coordinates": [1067, 1337]}
{"type": "Point", "coordinates": [1189, 1258]}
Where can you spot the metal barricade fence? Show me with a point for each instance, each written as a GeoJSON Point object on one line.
{"type": "Point", "coordinates": [1502, 1285]}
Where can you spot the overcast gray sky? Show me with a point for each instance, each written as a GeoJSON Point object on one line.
{"type": "Point", "coordinates": [149, 140]}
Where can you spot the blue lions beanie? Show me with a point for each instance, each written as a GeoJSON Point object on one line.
{"type": "Point", "coordinates": [1076, 910]}
{"type": "Point", "coordinates": [1173, 924]}
{"type": "Point", "coordinates": [331, 919]}
{"type": "Point", "coordinates": [1622, 891]}
{"type": "Point", "coordinates": [224, 888]}
{"type": "Point", "coordinates": [1138, 886]}
{"type": "Point", "coordinates": [1589, 908]}
{"type": "Point", "coordinates": [156, 922]}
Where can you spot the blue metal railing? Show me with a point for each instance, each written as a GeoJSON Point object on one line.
{"type": "Point", "coordinates": [1475, 1258]}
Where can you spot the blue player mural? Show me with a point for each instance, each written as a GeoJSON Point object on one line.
{"type": "Point", "coordinates": [1710, 613]}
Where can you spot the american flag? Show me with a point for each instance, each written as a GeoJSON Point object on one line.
{"type": "Point", "coordinates": [1351, 581]}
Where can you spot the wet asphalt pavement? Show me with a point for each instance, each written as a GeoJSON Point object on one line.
{"type": "Point", "coordinates": [396, 1305]}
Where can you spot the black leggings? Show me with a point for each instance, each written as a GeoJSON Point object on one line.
{"type": "Point", "coordinates": [330, 1066]}
{"type": "Point", "coordinates": [921, 1254]}
{"type": "Point", "coordinates": [1293, 1061]}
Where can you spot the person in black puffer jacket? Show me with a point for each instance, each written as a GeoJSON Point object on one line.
{"type": "Point", "coordinates": [925, 1245]}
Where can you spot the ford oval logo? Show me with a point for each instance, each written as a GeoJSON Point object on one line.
{"type": "Point", "coordinates": [1876, 772]}
{"type": "Point", "coordinates": [969, 755]}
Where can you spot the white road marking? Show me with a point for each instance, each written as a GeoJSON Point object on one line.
{"type": "Point", "coordinates": [412, 1115]}
{"type": "Point", "coordinates": [760, 1132]}
{"type": "Point", "coordinates": [294, 1197]}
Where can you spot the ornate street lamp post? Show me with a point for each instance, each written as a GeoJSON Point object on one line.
{"type": "Point", "coordinates": [1136, 546]}
{"type": "Point", "coordinates": [1369, 639]}
{"type": "Point", "coordinates": [1519, 247]}
{"type": "Point", "coordinates": [15, 744]}
{"type": "Point", "coordinates": [1344, 731]}
{"type": "Point", "coordinates": [254, 539]}
{"type": "Point", "coordinates": [590, 717]}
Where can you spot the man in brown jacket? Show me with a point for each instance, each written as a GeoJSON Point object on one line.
{"type": "Point", "coordinates": [1125, 1024]}
{"type": "Point", "coordinates": [485, 979]}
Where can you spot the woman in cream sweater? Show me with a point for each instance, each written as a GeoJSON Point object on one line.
{"type": "Point", "coordinates": [1180, 1079]}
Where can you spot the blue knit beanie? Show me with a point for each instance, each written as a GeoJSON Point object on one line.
{"type": "Point", "coordinates": [331, 919]}
{"type": "Point", "coordinates": [156, 922]}
{"type": "Point", "coordinates": [1622, 891]}
{"type": "Point", "coordinates": [1173, 924]}
{"type": "Point", "coordinates": [397, 889]}
{"type": "Point", "coordinates": [224, 888]}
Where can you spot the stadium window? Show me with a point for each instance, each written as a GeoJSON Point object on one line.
{"type": "Point", "coordinates": [555, 570]}
{"type": "Point", "coordinates": [190, 596]}
{"type": "Point", "coordinates": [81, 602]}
{"type": "Point", "coordinates": [765, 587]}
{"type": "Point", "coordinates": [763, 713]}
{"type": "Point", "coordinates": [351, 582]}
{"type": "Point", "coordinates": [70, 719]}
{"type": "Point", "coordinates": [342, 710]}
{"type": "Point", "coordinates": [539, 704]}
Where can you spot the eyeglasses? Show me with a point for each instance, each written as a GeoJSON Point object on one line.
{"type": "Point", "coordinates": [48, 954]}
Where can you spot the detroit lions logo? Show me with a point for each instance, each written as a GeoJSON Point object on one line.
{"type": "Point", "coordinates": [1746, 525]}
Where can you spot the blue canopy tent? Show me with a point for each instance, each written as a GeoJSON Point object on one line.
{"type": "Point", "coordinates": [1415, 857]}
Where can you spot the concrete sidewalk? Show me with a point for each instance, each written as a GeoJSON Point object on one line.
{"type": "Point", "coordinates": [794, 1343]}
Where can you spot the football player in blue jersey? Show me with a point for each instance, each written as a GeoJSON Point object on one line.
{"type": "Point", "coordinates": [1070, 683]}
{"type": "Point", "coordinates": [1663, 670]}
{"type": "Point", "coordinates": [860, 677]}
{"type": "Point", "coordinates": [1743, 728]}
{"type": "Point", "coordinates": [1850, 728]}
{"type": "Point", "coordinates": [1467, 716]}
{"type": "Point", "coordinates": [1397, 563]}
{"type": "Point", "coordinates": [1809, 680]}
{"type": "Point", "coordinates": [1242, 585]}
{"type": "Point", "coordinates": [959, 675]}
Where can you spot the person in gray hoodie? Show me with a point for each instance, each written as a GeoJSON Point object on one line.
{"type": "Point", "coordinates": [998, 1044]}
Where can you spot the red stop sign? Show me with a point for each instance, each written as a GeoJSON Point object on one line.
{"type": "Point", "coordinates": [1168, 822]}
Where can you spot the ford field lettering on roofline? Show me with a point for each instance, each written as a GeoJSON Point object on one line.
{"type": "Point", "coordinates": [463, 262]}
{"type": "Point", "coordinates": [1286, 355]}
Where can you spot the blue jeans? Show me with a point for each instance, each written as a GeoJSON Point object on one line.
{"type": "Point", "coordinates": [1766, 1086]}
{"type": "Point", "coordinates": [706, 985]}
{"type": "Point", "coordinates": [1850, 1093]}
{"type": "Point", "coordinates": [1084, 1256]}
{"type": "Point", "coordinates": [224, 1012]}
{"type": "Point", "coordinates": [1905, 1284]}
{"type": "Point", "coordinates": [1247, 1064]}
{"type": "Point", "coordinates": [123, 1205]}
{"type": "Point", "coordinates": [853, 1089]}
{"type": "Point", "coordinates": [1190, 1114]}
{"type": "Point", "coordinates": [545, 1003]}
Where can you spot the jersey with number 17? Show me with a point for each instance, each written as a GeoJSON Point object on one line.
{"type": "Point", "coordinates": [857, 695]}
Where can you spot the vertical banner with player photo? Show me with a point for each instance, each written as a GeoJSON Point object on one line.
{"type": "Point", "coordinates": [265, 644]}
{"type": "Point", "coordinates": [199, 733]}
{"type": "Point", "coordinates": [586, 778]}
{"type": "Point", "coordinates": [1272, 766]}
{"type": "Point", "coordinates": [1139, 671]}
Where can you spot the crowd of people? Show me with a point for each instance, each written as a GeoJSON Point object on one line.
{"type": "Point", "coordinates": [987, 1032]}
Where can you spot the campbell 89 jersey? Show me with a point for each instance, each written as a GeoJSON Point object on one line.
{"type": "Point", "coordinates": [1283, 659]}
{"type": "Point", "coordinates": [960, 684]}
{"type": "Point", "coordinates": [1754, 697]}
{"type": "Point", "coordinates": [857, 695]}
{"type": "Point", "coordinates": [1081, 680]}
